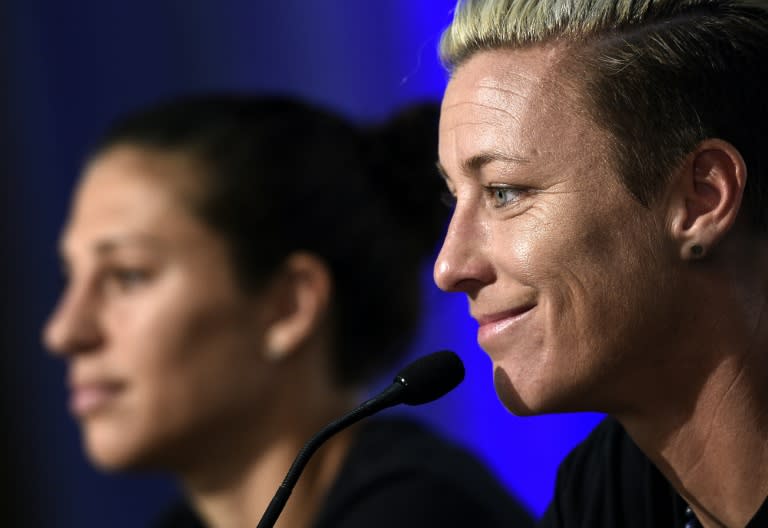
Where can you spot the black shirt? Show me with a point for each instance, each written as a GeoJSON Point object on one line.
{"type": "Point", "coordinates": [398, 473]}
{"type": "Point", "coordinates": [607, 481]}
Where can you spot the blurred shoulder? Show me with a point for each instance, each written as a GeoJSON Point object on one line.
{"type": "Point", "coordinates": [178, 515]}
{"type": "Point", "coordinates": [402, 472]}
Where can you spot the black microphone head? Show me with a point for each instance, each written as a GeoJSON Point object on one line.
{"type": "Point", "coordinates": [430, 377]}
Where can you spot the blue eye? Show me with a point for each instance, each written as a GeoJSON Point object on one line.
{"type": "Point", "coordinates": [502, 196]}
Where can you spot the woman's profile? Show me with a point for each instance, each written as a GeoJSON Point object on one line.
{"type": "Point", "coordinates": [237, 269]}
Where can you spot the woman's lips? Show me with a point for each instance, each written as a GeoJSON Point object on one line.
{"type": "Point", "coordinates": [88, 398]}
{"type": "Point", "coordinates": [500, 323]}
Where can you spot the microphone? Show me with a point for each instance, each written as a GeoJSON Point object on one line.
{"type": "Point", "coordinates": [422, 381]}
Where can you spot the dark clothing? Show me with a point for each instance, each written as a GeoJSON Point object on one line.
{"type": "Point", "coordinates": [397, 473]}
{"type": "Point", "coordinates": [607, 481]}
{"type": "Point", "coordinates": [180, 516]}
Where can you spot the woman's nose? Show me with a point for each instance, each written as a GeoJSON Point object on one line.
{"type": "Point", "coordinates": [461, 265]}
{"type": "Point", "coordinates": [73, 326]}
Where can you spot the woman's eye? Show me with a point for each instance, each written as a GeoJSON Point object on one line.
{"type": "Point", "coordinates": [127, 278]}
{"type": "Point", "coordinates": [502, 196]}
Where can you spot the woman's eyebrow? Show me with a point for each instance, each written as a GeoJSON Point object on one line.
{"type": "Point", "coordinates": [472, 165]}
{"type": "Point", "coordinates": [475, 163]}
{"type": "Point", "coordinates": [105, 247]}
{"type": "Point", "coordinates": [112, 244]}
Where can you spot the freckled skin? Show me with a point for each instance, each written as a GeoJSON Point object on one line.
{"type": "Point", "coordinates": [564, 237]}
{"type": "Point", "coordinates": [183, 343]}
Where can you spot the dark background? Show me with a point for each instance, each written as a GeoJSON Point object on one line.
{"type": "Point", "coordinates": [69, 67]}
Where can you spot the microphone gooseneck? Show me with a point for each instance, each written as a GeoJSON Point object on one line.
{"type": "Point", "coordinates": [422, 381]}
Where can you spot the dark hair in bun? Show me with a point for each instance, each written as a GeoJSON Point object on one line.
{"type": "Point", "coordinates": [282, 176]}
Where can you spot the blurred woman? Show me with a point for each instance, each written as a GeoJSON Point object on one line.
{"type": "Point", "coordinates": [238, 268]}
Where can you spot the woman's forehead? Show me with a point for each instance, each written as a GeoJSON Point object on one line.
{"type": "Point", "coordinates": [130, 199]}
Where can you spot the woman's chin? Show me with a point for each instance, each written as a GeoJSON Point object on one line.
{"type": "Point", "coordinates": [112, 451]}
{"type": "Point", "coordinates": [109, 460]}
{"type": "Point", "coordinates": [526, 397]}
{"type": "Point", "coordinates": [514, 396]}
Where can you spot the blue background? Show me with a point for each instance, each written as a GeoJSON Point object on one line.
{"type": "Point", "coordinates": [67, 69]}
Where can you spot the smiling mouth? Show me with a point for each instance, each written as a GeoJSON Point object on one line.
{"type": "Point", "coordinates": [493, 325]}
{"type": "Point", "coordinates": [483, 320]}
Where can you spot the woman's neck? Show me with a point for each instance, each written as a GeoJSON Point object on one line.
{"type": "Point", "coordinates": [715, 452]}
{"type": "Point", "coordinates": [242, 493]}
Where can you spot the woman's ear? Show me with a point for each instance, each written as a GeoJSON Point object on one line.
{"type": "Point", "coordinates": [302, 296]}
{"type": "Point", "coordinates": [706, 197]}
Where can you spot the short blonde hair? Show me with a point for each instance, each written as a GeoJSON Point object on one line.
{"type": "Point", "coordinates": [659, 75]}
{"type": "Point", "coordinates": [494, 24]}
